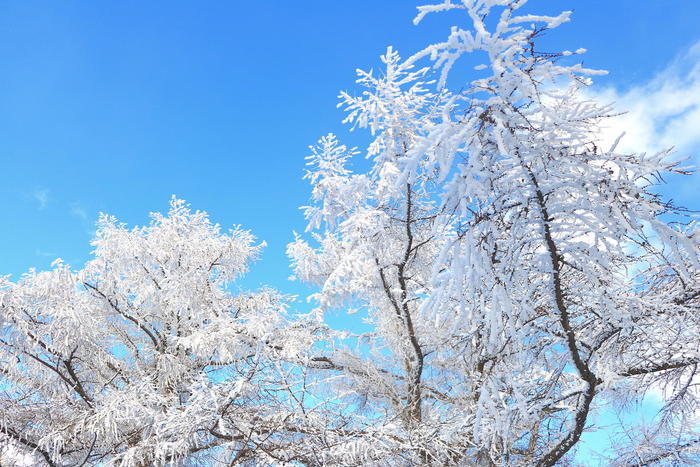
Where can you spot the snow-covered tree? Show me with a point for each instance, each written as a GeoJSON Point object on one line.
{"type": "Point", "coordinates": [146, 357]}
{"type": "Point", "coordinates": [511, 274]}
{"type": "Point", "coordinates": [516, 273]}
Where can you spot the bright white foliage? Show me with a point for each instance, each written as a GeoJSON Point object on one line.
{"type": "Point", "coordinates": [515, 274]}
{"type": "Point", "coordinates": [512, 276]}
{"type": "Point", "coordinates": [145, 357]}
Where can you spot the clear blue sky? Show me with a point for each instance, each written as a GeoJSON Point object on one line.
{"type": "Point", "coordinates": [114, 106]}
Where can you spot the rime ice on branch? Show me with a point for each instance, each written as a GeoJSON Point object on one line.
{"type": "Point", "coordinates": [513, 274]}
{"type": "Point", "coordinates": [145, 357]}
{"type": "Point", "coordinates": [516, 273]}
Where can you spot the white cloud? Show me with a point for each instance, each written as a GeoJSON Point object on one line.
{"type": "Point", "coordinates": [41, 196]}
{"type": "Point", "coordinates": [78, 211]}
{"type": "Point", "coordinates": [45, 254]}
{"type": "Point", "coordinates": [661, 113]}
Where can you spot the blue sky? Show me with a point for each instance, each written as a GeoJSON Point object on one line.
{"type": "Point", "coordinates": [114, 106]}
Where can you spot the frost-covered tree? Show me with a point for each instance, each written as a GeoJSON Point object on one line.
{"type": "Point", "coordinates": [516, 273]}
{"type": "Point", "coordinates": [146, 356]}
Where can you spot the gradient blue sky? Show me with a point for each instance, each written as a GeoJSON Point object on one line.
{"type": "Point", "coordinates": [114, 106]}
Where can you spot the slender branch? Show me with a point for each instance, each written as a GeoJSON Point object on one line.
{"type": "Point", "coordinates": [553, 456]}
{"type": "Point", "coordinates": [660, 367]}
{"type": "Point", "coordinates": [156, 341]}
{"type": "Point", "coordinates": [30, 444]}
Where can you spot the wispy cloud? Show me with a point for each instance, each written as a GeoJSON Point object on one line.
{"type": "Point", "coordinates": [41, 196]}
{"type": "Point", "coordinates": [44, 254]}
{"type": "Point", "coordinates": [661, 113]}
{"type": "Point", "coordinates": [87, 220]}
{"type": "Point", "coordinates": [78, 211]}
